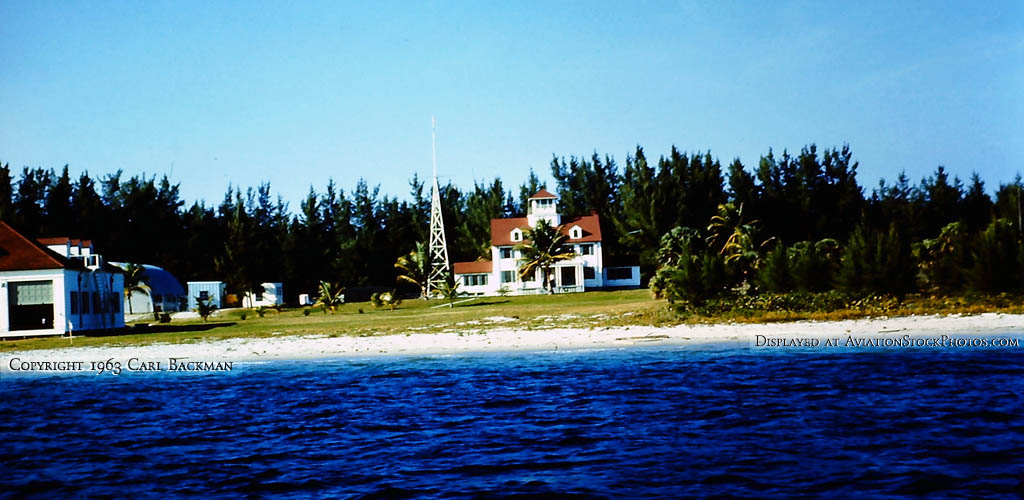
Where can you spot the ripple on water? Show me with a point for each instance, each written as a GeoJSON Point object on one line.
{"type": "Point", "coordinates": [640, 423]}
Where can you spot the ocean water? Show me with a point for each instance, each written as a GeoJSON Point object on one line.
{"type": "Point", "coordinates": [631, 423]}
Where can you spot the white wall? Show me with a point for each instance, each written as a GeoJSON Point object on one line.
{"type": "Point", "coordinates": [56, 277]}
{"type": "Point", "coordinates": [64, 282]}
{"type": "Point", "coordinates": [273, 294]}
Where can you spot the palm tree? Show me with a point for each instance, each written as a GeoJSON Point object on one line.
{"type": "Point", "coordinates": [543, 246]}
{"type": "Point", "coordinates": [330, 296]}
{"type": "Point", "coordinates": [739, 247]}
{"type": "Point", "coordinates": [134, 281]}
{"type": "Point", "coordinates": [390, 299]}
{"type": "Point", "coordinates": [413, 268]}
{"type": "Point", "coordinates": [450, 289]}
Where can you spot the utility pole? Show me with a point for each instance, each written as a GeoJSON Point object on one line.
{"type": "Point", "coordinates": [438, 248]}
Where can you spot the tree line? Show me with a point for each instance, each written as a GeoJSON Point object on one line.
{"type": "Point", "coordinates": [786, 205]}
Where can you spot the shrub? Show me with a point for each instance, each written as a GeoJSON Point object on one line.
{"type": "Point", "coordinates": [165, 318]}
{"type": "Point", "coordinates": [243, 315]}
{"type": "Point", "coordinates": [943, 262]}
{"type": "Point", "coordinates": [261, 311]}
{"type": "Point", "coordinates": [204, 308]}
{"type": "Point", "coordinates": [305, 312]}
{"type": "Point", "coordinates": [813, 265]}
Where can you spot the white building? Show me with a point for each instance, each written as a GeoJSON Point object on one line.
{"type": "Point", "coordinates": [55, 286]}
{"type": "Point", "coordinates": [267, 295]}
{"type": "Point", "coordinates": [586, 271]}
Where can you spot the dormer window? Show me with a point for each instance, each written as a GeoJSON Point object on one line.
{"type": "Point", "coordinates": [575, 233]}
{"type": "Point", "coordinates": [517, 235]}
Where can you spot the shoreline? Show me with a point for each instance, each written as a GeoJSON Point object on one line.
{"type": "Point", "coordinates": [510, 339]}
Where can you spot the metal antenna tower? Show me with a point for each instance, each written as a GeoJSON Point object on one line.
{"type": "Point", "coordinates": [438, 248]}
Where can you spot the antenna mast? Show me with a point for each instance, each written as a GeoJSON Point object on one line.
{"type": "Point", "coordinates": [438, 248]}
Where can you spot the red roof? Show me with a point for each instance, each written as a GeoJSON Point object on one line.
{"type": "Point", "coordinates": [63, 240]}
{"type": "Point", "coordinates": [501, 229]}
{"type": "Point", "coordinates": [480, 266]}
{"type": "Point", "coordinates": [18, 253]}
{"type": "Point", "coordinates": [542, 194]}
{"type": "Point", "coordinates": [590, 224]}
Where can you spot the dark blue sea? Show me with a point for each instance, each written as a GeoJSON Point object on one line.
{"type": "Point", "coordinates": [632, 423]}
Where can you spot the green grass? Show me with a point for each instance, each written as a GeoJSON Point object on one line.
{"type": "Point", "coordinates": [412, 316]}
{"type": "Point", "coordinates": [590, 309]}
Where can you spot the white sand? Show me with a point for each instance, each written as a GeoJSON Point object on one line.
{"type": "Point", "coordinates": [501, 336]}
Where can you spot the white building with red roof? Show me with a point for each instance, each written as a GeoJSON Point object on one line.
{"type": "Point", "coordinates": [54, 286]}
{"type": "Point", "coordinates": [586, 271]}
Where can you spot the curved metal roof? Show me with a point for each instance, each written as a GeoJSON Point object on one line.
{"type": "Point", "coordinates": [158, 280]}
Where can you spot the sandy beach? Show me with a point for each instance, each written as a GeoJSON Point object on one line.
{"type": "Point", "coordinates": [499, 336]}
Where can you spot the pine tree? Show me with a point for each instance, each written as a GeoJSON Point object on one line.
{"type": "Point", "coordinates": [775, 274]}
{"type": "Point", "coordinates": [997, 259]}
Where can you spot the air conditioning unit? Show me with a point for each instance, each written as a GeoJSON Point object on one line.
{"type": "Point", "coordinates": [93, 262]}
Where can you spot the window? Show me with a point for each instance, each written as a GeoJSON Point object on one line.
{"type": "Point", "coordinates": [97, 303]}
{"type": "Point", "coordinates": [474, 279]}
{"type": "Point", "coordinates": [204, 295]}
{"type": "Point", "coordinates": [530, 277]}
{"type": "Point", "coordinates": [506, 253]}
{"type": "Point", "coordinates": [587, 249]}
{"type": "Point", "coordinates": [31, 293]}
{"type": "Point", "coordinates": [576, 233]}
{"type": "Point", "coordinates": [30, 305]}
{"type": "Point", "coordinates": [517, 235]}
{"type": "Point", "coordinates": [508, 276]}
{"type": "Point", "coordinates": [74, 302]}
{"type": "Point", "coordinates": [620, 273]}
{"type": "Point", "coordinates": [588, 273]}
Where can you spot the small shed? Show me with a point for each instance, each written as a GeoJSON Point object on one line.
{"type": "Point", "coordinates": [268, 295]}
{"type": "Point", "coordinates": [214, 291]}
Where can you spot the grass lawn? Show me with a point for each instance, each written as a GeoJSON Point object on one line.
{"type": "Point", "coordinates": [589, 309]}
{"type": "Point", "coordinates": [412, 316]}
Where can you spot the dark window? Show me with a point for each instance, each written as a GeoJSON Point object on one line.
{"type": "Point", "coordinates": [620, 273]}
{"type": "Point", "coordinates": [475, 279]}
{"type": "Point", "coordinates": [588, 273]}
{"type": "Point", "coordinates": [568, 276]}
{"type": "Point", "coordinates": [97, 306]}
{"type": "Point", "coordinates": [586, 249]}
{"type": "Point", "coordinates": [204, 295]}
{"type": "Point", "coordinates": [115, 302]}
{"type": "Point", "coordinates": [85, 303]}
{"type": "Point", "coordinates": [508, 276]}
{"type": "Point", "coordinates": [530, 277]}
{"type": "Point", "coordinates": [506, 253]}
{"type": "Point", "coordinates": [74, 302]}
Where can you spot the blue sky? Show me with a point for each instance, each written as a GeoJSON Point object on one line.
{"type": "Point", "coordinates": [214, 93]}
